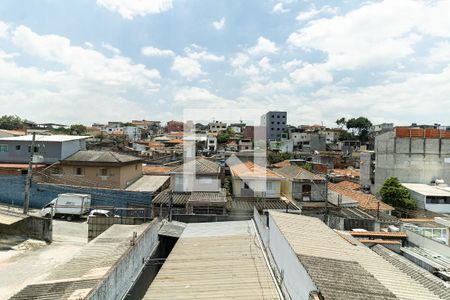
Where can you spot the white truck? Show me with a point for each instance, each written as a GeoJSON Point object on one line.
{"type": "Point", "coordinates": [67, 205]}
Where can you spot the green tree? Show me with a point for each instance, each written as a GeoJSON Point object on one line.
{"type": "Point", "coordinates": [276, 157]}
{"type": "Point", "coordinates": [77, 129]}
{"type": "Point", "coordinates": [222, 138]}
{"type": "Point", "coordinates": [11, 122]}
{"type": "Point", "coordinates": [393, 193]}
{"type": "Point", "coordinates": [360, 127]}
{"type": "Point", "coordinates": [308, 167]}
{"type": "Point", "coordinates": [342, 122]}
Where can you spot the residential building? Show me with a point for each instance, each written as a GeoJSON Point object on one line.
{"type": "Point", "coordinates": [276, 125]}
{"type": "Point", "coordinates": [237, 127]}
{"type": "Point", "coordinates": [133, 133]}
{"type": "Point", "coordinates": [367, 169]}
{"type": "Point", "coordinates": [301, 185]}
{"type": "Point", "coordinates": [48, 149]}
{"type": "Point", "coordinates": [382, 128]}
{"type": "Point", "coordinates": [104, 169]}
{"type": "Point", "coordinates": [249, 132]}
{"type": "Point", "coordinates": [216, 127]}
{"type": "Point", "coordinates": [174, 126]}
{"type": "Point", "coordinates": [251, 180]}
{"type": "Point", "coordinates": [211, 142]}
{"type": "Point", "coordinates": [196, 175]}
{"type": "Point", "coordinates": [429, 197]}
{"type": "Point", "coordinates": [283, 146]}
{"type": "Point", "coordinates": [413, 155]}
{"type": "Point", "coordinates": [245, 144]}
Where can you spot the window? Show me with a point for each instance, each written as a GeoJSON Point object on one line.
{"type": "Point", "coordinates": [35, 149]}
{"type": "Point", "coordinates": [103, 172]}
{"type": "Point", "coordinates": [284, 117]}
{"type": "Point", "coordinates": [278, 117]}
{"type": "Point", "coordinates": [269, 185]}
{"type": "Point", "coordinates": [18, 147]}
{"type": "Point", "coordinates": [79, 171]}
{"type": "Point", "coordinates": [278, 122]}
{"type": "Point", "coordinates": [3, 148]}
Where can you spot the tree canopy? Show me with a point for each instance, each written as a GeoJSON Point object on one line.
{"type": "Point", "coordinates": [393, 193]}
{"type": "Point", "coordinates": [359, 127]}
{"type": "Point", "coordinates": [11, 122]}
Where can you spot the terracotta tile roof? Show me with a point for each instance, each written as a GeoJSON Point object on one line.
{"type": "Point", "coordinates": [349, 185]}
{"type": "Point", "coordinates": [365, 201]}
{"type": "Point", "coordinates": [12, 132]}
{"type": "Point", "coordinates": [347, 172]}
{"type": "Point", "coordinates": [281, 164]}
{"type": "Point", "coordinates": [175, 141]}
{"type": "Point", "coordinates": [249, 169]}
{"type": "Point", "coordinates": [298, 173]}
{"type": "Point", "coordinates": [156, 169]}
{"type": "Point", "coordinates": [18, 166]}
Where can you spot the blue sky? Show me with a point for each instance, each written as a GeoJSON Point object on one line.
{"type": "Point", "coordinates": [90, 61]}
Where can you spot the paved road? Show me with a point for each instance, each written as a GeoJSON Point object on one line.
{"type": "Point", "coordinates": [19, 268]}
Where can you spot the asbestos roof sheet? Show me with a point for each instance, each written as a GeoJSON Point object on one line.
{"type": "Point", "coordinates": [91, 156]}
{"type": "Point", "coordinates": [77, 277]}
{"type": "Point", "coordinates": [220, 260]}
{"type": "Point", "coordinates": [208, 197]}
{"type": "Point", "coordinates": [177, 198]}
{"type": "Point", "coordinates": [433, 283]}
{"type": "Point", "coordinates": [199, 166]}
{"type": "Point", "coordinates": [298, 173]}
{"type": "Point", "coordinates": [309, 236]}
{"type": "Point", "coordinates": [247, 204]}
{"type": "Point", "coordinates": [148, 183]}
{"type": "Point", "coordinates": [426, 190]}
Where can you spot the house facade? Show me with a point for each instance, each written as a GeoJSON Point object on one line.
{"type": "Point", "coordinates": [197, 175]}
{"type": "Point", "coordinates": [49, 148]}
{"type": "Point", "coordinates": [251, 180]}
{"type": "Point", "coordinates": [104, 169]}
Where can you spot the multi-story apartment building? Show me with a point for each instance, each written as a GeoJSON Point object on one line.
{"type": "Point", "coordinates": [276, 125]}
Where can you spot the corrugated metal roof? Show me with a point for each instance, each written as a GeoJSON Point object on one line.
{"type": "Point", "coordinates": [310, 236]}
{"type": "Point", "coordinates": [178, 198]}
{"type": "Point", "coordinates": [438, 261]}
{"type": "Point", "coordinates": [433, 283]}
{"type": "Point", "coordinates": [220, 260]}
{"type": "Point", "coordinates": [208, 197]}
{"type": "Point", "coordinates": [148, 183]}
{"type": "Point", "coordinates": [427, 190]}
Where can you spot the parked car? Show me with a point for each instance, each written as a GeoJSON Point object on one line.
{"type": "Point", "coordinates": [67, 206]}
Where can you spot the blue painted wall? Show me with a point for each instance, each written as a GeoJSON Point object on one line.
{"type": "Point", "coordinates": [12, 188]}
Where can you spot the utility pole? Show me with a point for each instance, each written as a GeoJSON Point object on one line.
{"type": "Point", "coordinates": [26, 200]}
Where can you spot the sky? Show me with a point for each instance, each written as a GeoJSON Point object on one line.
{"type": "Point", "coordinates": [85, 61]}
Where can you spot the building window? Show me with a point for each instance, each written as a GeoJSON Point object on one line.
{"type": "Point", "coordinates": [135, 167]}
{"type": "Point", "coordinates": [18, 147]}
{"type": "Point", "coordinates": [103, 172]}
{"type": "Point", "coordinates": [35, 150]}
{"type": "Point", "coordinates": [278, 117]}
{"type": "Point", "coordinates": [3, 148]}
{"type": "Point", "coordinates": [278, 122]}
{"type": "Point", "coordinates": [79, 171]}
{"type": "Point", "coordinates": [284, 117]}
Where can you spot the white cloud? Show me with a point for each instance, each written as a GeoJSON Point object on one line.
{"type": "Point", "coordinates": [200, 97]}
{"type": "Point", "coordinates": [3, 29]}
{"type": "Point", "coordinates": [152, 51]}
{"type": "Point", "coordinates": [374, 34]}
{"type": "Point", "coordinates": [263, 46]}
{"type": "Point", "coordinates": [265, 65]}
{"type": "Point", "coordinates": [292, 64]}
{"type": "Point", "coordinates": [187, 67]}
{"type": "Point", "coordinates": [313, 13]}
{"type": "Point", "coordinates": [109, 47]}
{"type": "Point", "coordinates": [199, 53]}
{"type": "Point", "coordinates": [218, 25]}
{"type": "Point", "coordinates": [239, 59]}
{"type": "Point", "coordinates": [128, 9]}
{"type": "Point", "coordinates": [310, 74]}
{"type": "Point", "coordinates": [440, 53]}
{"type": "Point", "coordinates": [278, 8]}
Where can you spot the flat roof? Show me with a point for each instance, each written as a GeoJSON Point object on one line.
{"type": "Point", "coordinates": [10, 217]}
{"type": "Point", "coordinates": [220, 260]}
{"type": "Point", "coordinates": [45, 138]}
{"type": "Point", "coordinates": [426, 190]}
{"type": "Point", "coordinates": [361, 273]}
{"type": "Point", "coordinates": [148, 183]}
